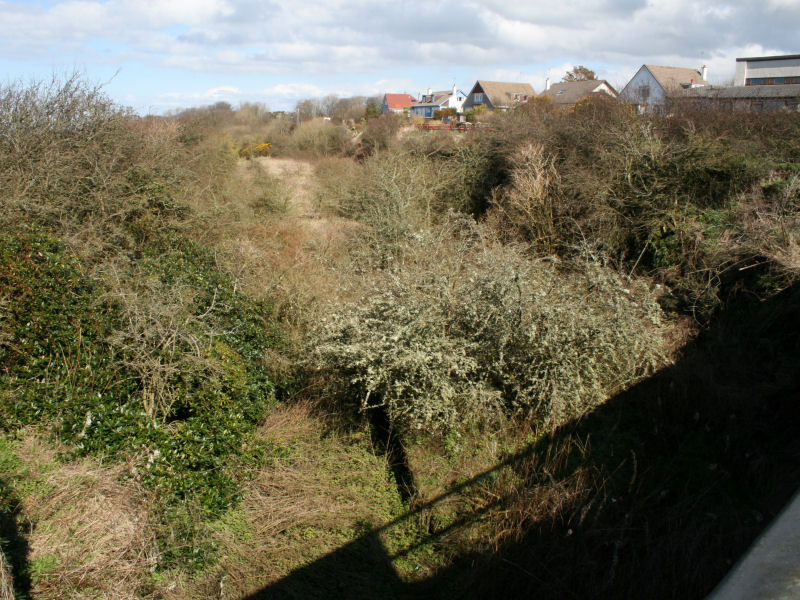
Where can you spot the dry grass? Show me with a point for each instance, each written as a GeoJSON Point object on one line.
{"type": "Point", "coordinates": [6, 583]}
{"type": "Point", "coordinates": [296, 257]}
{"type": "Point", "coordinates": [90, 535]}
{"type": "Point", "coordinates": [324, 487]}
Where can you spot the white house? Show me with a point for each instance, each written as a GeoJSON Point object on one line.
{"type": "Point", "coordinates": [431, 101]}
{"type": "Point", "coordinates": [653, 85]}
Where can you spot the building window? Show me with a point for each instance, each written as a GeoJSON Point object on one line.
{"type": "Point", "coordinates": [772, 80]}
{"type": "Point", "coordinates": [477, 98]}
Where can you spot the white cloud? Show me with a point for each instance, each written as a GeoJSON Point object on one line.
{"type": "Point", "coordinates": [366, 40]}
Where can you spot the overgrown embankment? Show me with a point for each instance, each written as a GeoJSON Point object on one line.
{"type": "Point", "coordinates": [466, 334]}
{"type": "Point", "coordinates": [119, 334]}
{"type": "Point", "coordinates": [567, 328]}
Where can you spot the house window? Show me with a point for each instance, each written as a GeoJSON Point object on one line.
{"type": "Point", "coordinates": [477, 98]}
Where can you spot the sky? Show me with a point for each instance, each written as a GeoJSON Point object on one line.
{"type": "Point", "coordinates": [160, 55]}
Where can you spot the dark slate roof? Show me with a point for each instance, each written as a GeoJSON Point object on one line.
{"type": "Point", "coordinates": [747, 91]}
{"type": "Point", "coordinates": [756, 58]}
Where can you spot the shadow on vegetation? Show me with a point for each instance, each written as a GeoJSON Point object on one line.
{"type": "Point", "coordinates": [12, 543]}
{"type": "Point", "coordinates": [386, 440]}
{"type": "Point", "coordinates": [675, 479]}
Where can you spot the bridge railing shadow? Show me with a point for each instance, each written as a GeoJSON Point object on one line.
{"type": "Point", "coordinates": [685, 470]}
{"type": "Point", "coordinates": [13, 545]}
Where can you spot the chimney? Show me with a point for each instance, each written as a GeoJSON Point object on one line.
{"type": "Point", "coordinates": [455, 91]}
{"type": "Point", "coordinates": [547, 84]}
{"type": "Point", "coordinates": [705, 73]}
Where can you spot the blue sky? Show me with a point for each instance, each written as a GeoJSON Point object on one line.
{"type": "Point", "coordinates": [157, 55]}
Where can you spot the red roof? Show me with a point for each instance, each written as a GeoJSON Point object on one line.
{"type": "Point", "coordinates": [399, 101]}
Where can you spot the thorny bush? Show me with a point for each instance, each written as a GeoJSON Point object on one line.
{"type": "Point", "coordinates": [483, 333]}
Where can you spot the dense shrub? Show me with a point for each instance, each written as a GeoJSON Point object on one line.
{"type": "Point", "coordinates": [399, 193]}
{"type": "Point", "coordinates": [319, 137]}
{"type": "Point", "coordinates": [476, 113]}
{"type": "Point", "coordinates": [56, 364]}
{"type": "Point", "coordinates": [251, 150]}
{"type": "Point", "coordinates": [117, 333]}
{"type": "Point", "coordinates": [379, 134]}
{"type": "Point", "coordinates": [171, 372]}
{"type": "Point", "coordinates": [442, 113]}
{"type": "Point", "coordinates": [483, 333]}
{"type": "Point", "coordinates": [668, 196]}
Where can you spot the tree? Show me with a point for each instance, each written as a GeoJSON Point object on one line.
{"type": "Point", "coordinates": [579, 73]}
{"type": "Point", "coordinates": [349, 109]}
{"type": "Point", "coordinates": [308, 109]}
{"type": "Point", "coordinates": [328, 104]}
{"type": "Point", "coordinates": [373, 109]}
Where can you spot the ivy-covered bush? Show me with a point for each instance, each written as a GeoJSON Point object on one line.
{"type": "Point", "coordinates": [482, 333]}
{"type": "Point", "coordinates": [169, 373]}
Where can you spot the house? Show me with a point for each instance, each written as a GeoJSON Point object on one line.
{"type": "Point", "coordinates": [767, 70]}
{"type": "Point", "coordinates": [653, 86]}
{"type": "Point", "coordinates": [750, 98]}
{"type": "Point", "coordinates": [397, 103]}
{"type": "Point", "coordinates": [432, 101]}
{"type": "Point", "coordinates": [567, 93]}
{"type": "Point", "coordinates": [498, 95]}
